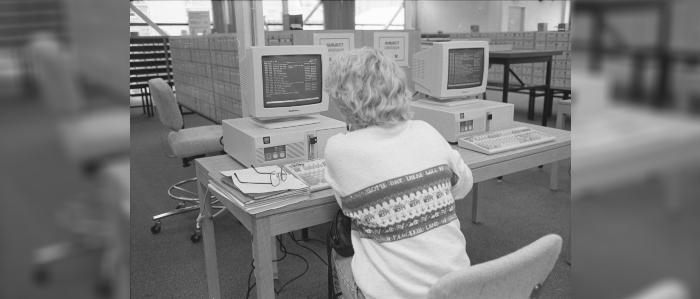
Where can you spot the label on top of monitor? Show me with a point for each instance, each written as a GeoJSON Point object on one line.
{"type": "Point", "coordinates": [465, 68]}
{"type": "Point", "coordinates": [291, 80]}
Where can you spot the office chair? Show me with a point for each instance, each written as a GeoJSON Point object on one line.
{"type": "Point", "coordinates": [94, 140]}
{"type": "Point", "coordinates": [89, 136]}
{"type": "Point", "coordinates": [667, 289]}
{"type": "Point", "coordinates": [187, 144]}
{"type": "Point", "coordinates": [520, 274]}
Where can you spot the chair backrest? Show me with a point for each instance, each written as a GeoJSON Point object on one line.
{"type": "Point", "coordinates": [166, 105]}
{"type": "Point", "coordinates": [520, 274]}
{"type": "Point", "coordinates": [57, 80]}
{"type": "Point", "coordinates": [667, 289]}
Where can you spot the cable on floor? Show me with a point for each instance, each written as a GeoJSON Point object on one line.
{"type": "Point", "coordinates": [284, 250]}
{"type": "Point", "coordinates": [307, 248]}
{"type": "Point", "coordinates": [315, 240]}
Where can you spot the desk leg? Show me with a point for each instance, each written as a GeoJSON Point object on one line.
{"type": "Point", "coordinates": [560, 118]}
{"type": "Point", "coordinates": [506, 81]}
{"type": "Point", "coordinates": [547, 109]}
{"type": "Point", "coordinates": [275, 270]}
{"type": "Point", "coordinates": [264, 279]}
{"type": "Point", "coordinates": [208, 236]}
{"type": "Point", "coordinates": [143, 101]}
{"type": "Point", "coordinates": [554, 176]}
{"type": "Point", "coordinates": [475, 203]}
{"type": "Point", "coordinates": [531, 105]}
{"type": "Point", "coordinates": [567, 249]}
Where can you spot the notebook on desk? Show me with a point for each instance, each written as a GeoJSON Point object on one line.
{"type": "Point", "coordinates": [252, 206]}
{"type": "Point", "coordinates": [258, 181]}
{"type": "Point", "coordinates": [264, 195]}
{"type": "Point", "coordinates": [254, 203]}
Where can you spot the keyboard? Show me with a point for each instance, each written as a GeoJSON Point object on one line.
{"type": "Point", "coordinates": [312, 172]}
{"type": "Point", "coordinates": [505, 140]}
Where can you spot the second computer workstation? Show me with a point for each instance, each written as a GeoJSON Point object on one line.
{"type": "Point", "coordinates": [283, 96]}
{"type": "Point", "coordinates": [282, 91]}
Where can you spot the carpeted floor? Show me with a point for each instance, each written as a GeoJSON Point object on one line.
{"type": "Point", "coordinates": [514, 213]}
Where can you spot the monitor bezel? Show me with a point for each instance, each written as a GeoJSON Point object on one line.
{"type": "Point", "coordinates": [254, 99]}
{"type": "Point", "coordinates": [437, 86]}
{"type": "Point", "coordinates": [442, 84]}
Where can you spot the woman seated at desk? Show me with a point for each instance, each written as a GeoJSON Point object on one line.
{"type": "Point", "coordinates": [396, 178]}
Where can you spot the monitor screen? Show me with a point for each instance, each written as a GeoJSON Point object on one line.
{"type": "Point", "coordinates": [465, 68]}
{"type": "Point", "coordinates": [291, 80]}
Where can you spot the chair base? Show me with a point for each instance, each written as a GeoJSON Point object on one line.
{"type": "Point", "coordinates": [183, 199]}
{"type": "Point", "coordinates": [61, 251]}
{"type": "Point", "coordinates": [197, 234]}
{"type": "Point", "coordinates": [175, 212]}
{"type": "Point", "coordinates": [157, 225]}
{"type": "Point", "coordinates": [182, 208]}
{"type": "Point", "coordinates": [45, 256]}
{"type": "Point", "coordinates": [186, 161]}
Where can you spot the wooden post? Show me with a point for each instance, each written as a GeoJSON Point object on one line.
{"type": "Point", "coordinates": [212, 266]}
{"type": "Point", "coordinates": [475, 203]}
{"type": "Point", "coordinates": [338, 14]}
{"type": "Point", "coordinates": [249, 31]}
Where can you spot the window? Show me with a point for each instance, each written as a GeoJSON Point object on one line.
{"type": "Point", "coordinates": [171, 16]}
{"type": "Point", "coordinates": [311, 11]}
{"type": "Point", "coordinates": [379, 15]}
{"type": "Point", "coordinates": [272, 15]}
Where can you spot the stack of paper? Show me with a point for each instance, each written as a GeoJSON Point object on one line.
{"type": "Point", "coordinates": [253, 192]}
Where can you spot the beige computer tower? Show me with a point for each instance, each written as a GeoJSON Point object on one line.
{"type": "Point", "coordinates": [473, 118]}
{"type": "Point", "coordinates": [251, 144]}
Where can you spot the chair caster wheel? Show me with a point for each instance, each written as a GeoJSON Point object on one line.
{"type": "Point", "coordinates": [180, 206]}
{"type": "Point", "coordinates": [196, 236]}
{"type": "Point", "coordinates": [40, 275]}
{"type": "Point", "coordinates": [156, 227]}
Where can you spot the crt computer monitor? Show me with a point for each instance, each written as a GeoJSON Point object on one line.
{"type": "Point", "coordinates": [284, 84]}
{"type": "Point", "coordinates": [451, 70]}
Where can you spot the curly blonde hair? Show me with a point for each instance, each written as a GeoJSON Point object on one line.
{"type": "Point", "coordinates": [369, 88]}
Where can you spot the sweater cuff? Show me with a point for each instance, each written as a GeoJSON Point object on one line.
{"type": "Point", "coordinates": [455, 179]}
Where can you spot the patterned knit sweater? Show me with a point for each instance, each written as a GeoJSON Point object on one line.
{"type": "Point", "coordinates": [398, 184]}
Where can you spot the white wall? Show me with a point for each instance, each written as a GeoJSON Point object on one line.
{"type": "Point", "coordinates": [491, 16]}
{"type": "Point", "coordinates": [457, 16]}
{"type": "Point", "coordinates": [545, 11]}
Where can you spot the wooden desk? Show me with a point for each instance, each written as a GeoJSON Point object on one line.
{"type": "Point", "coordinates": [619, 144]}
{"type": "Point", "coordinates": [564, 108]}
{"type": "Point", "coordinates": [264, 226]}
{"type": "Point", "coordinates": [485, 167]}
{"type": "Point", "coordinates": [322, 206]}
{"type": "Point", "coordinates": [506, 58]}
